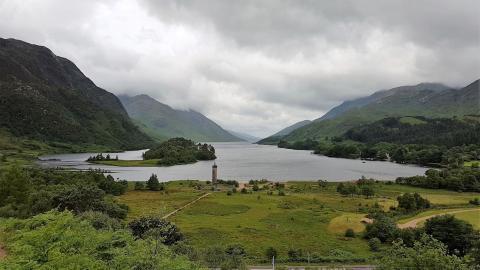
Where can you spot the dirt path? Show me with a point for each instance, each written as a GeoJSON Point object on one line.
{"type": "Point", "coordinates": [414, 223]}
{"type": "Point", "coordinates": [186, 205]}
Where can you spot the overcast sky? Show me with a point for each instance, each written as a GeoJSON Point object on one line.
{"type": "Point", "coordinates": [255, 66]}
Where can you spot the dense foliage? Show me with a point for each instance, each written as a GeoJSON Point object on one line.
{"type": "Point", "coordinates": [180, 151]}
{"type": "Point", "coordinates": [461, 179]}
{"type": "Point", "coordinates": [27, 192]}
{"type": "Point", "coordinates": [60, 240]}
{"type": "Point", "coordinates": [446, 132]}
{"type": "Point", "coordinates": [361, 187]}
{"type": "Point", "coordinates": [426, 253]}
{"type": "Point", "coordinates": [412, 202]}
{"type": "Point", "coordinates": [169, 233]}
{"type": "Point", "coordinates": [456, 234]}
{"type": "Point", "coordinates": [415, 140]}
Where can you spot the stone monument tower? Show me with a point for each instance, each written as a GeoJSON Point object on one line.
{"type": "Point", "coordinates": [214, 173]}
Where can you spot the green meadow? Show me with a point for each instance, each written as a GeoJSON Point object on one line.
{"type": "Point", "coordinates": [308, 217]}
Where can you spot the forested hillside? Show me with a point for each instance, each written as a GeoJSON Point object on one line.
{"type": "Point", "coordinates": [47, 98]}
{"type": "Point", "coordinates": [447, 132]}
{"type": "Point", "coordinates": [429, 100]}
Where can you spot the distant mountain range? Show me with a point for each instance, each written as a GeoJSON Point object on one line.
{"type": "Point", "coordinates": [275, 138]}
{"type": "Point", "coordinates": [425, 99]}
{"type": "Point", "coordinates": [161, 121]}
{"type": "Point", "coordinates": [244, 136]}
{"type": "Point", "coordinates": [47, 98]}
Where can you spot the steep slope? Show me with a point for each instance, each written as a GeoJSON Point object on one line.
{"type": "Point", "coordinates": [161, 121]}
{"type": "Point", "coordinates": [275, 138]}
{"type": "Point", "coordinates": [47, 98]}
{"type": "Point", "coordinates": [421, 100]}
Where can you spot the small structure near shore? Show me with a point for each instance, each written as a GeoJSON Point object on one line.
{"type": "Point", "coordinates": [214, 174]}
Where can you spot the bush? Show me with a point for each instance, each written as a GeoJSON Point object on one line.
{"type": "Point", "coordinates": [139, 185]}
{"type": "Point", "coordinates": [281, 193]}
{"type": "Point", "coordinates": [475, 201]}
{"type": "Point", "coordinates": [374, 244]}
{"type": "Point", "coordinates": [229, 193]}
{"type": "Point", "coordinates": [243, 191]}
{"type": "Point", "coordinates": [349, 233]}
{"type": "Point", "coordinates": [168, 231]}
{"type": "Point", "coordinates": [270, 253]}
{"type": "Point", "coordinates": [383, 228]}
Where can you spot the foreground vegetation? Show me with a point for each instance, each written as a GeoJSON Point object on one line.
{"type": "Point", "coordinates": [105, 223]}
{"type": "Point", "coordinates": [299, 220]}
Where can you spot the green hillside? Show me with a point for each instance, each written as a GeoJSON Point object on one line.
{"type": "Point", "coordinates": [47, 98]}
{"type": "Point", "coordinates": [400, 102]}
{"type": "Point", "coordinates": [161, 121]}
{"type": "Point", "coordinates": [275, 138]}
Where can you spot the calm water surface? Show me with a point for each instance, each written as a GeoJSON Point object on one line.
{"type": "Point", "coordinates": [244, 161]}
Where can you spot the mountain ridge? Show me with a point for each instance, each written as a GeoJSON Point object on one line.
{"type": "Point", "coordinates": [426, 99]}
{"type": "Point", "coordinates": [162, 121]}
{"type": "Point", "coordinates": [48, 98]}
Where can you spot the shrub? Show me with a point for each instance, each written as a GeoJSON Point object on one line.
{"type": "Point", "coordinates": [229, 193]}
{"type": "Point", "coordinates": [374, 244]}
{"type": "Point", "coordinates": [243, 191]}
{"type": "Point", "coordinates": [168, 231]}
{"type": "Point", "coordinates": [475, 201]}
{"type": "Point", "coordinates": [349, 233]}
{"type": "Point", "coordinates": [281, 193]}
{"type": "Point", "coordinates": [270, 253]}
{"type": "Point", "coordinates": [139, 186]}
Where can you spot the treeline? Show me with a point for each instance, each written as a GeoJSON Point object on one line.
{"type": "Point", "coordinates": [460, 179]}
{"type": "Point", "coordinates": [448, 132]}
{"type": "Point", "coordinates": [101, 157]}
{"type": "Point", "coordinates": [180, 151]}
{"type": "Point", "coordinates": [27, 192]}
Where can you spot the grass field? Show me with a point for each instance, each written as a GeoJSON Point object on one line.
{"type": "Point", "coordinates": [129, 163]}
{"type": "Point", "coordinates": [471, 215]}
{"type": "Point", "coordinates": [309, 217]}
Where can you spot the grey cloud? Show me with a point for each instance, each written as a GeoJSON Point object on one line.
{"type": "Point", "coordinates": [255, 66]}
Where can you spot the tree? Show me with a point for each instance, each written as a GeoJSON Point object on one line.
{"type": "Point", "coordinates": [152, 183]}
{"type": "Point", "coordinates": [15, 189]}
{"type": "Point", "coordinates": [456, 234]}
{"type": "Point", "coordinates": [411, 202]}
{"type": "Point", "coordinates": [167, 230]}
{"type": "Point", "coordinates": [383, 228]}
{"type": "Point", "coordinates": [374, 244]}
{"type": "Point", "coordinates": [367, 190]}
{"type": "Point", "coordinates": [426, 254]}
{"type": "Point", "coordinates": [270, 253]}
{"type": "Point", "coordinates": [234, 254]}
{"type": "Point", "coordinates": [139, 186]}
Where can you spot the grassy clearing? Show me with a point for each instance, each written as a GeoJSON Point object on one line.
{"type": "Point", "coordinates": [347, 221]}
{"type": "Point", "coordinates": [469, 163]}
{"type": "Point", "coordinates": [129, 163]}
{"type": "Point", "coordinates": [471, 215]}
{"type": "Point", "coordinates": [309, 217]}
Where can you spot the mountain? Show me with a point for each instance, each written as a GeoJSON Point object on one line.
{"type": "Point", "coordinates": [430, 100]}
{"type": "Point", "coordinates": [275, 138]}
{"type": "Point", "coordinates": [161, 121]}
{"type": "Point", "coordinates": [47, 98]}
{"type": "Point", "coordinates": [244, 136]}
{"type": "Point", "coordinates": [363, 101]}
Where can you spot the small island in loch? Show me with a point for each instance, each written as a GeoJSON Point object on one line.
{"type": "Point", "coordinates": [175, 151]}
